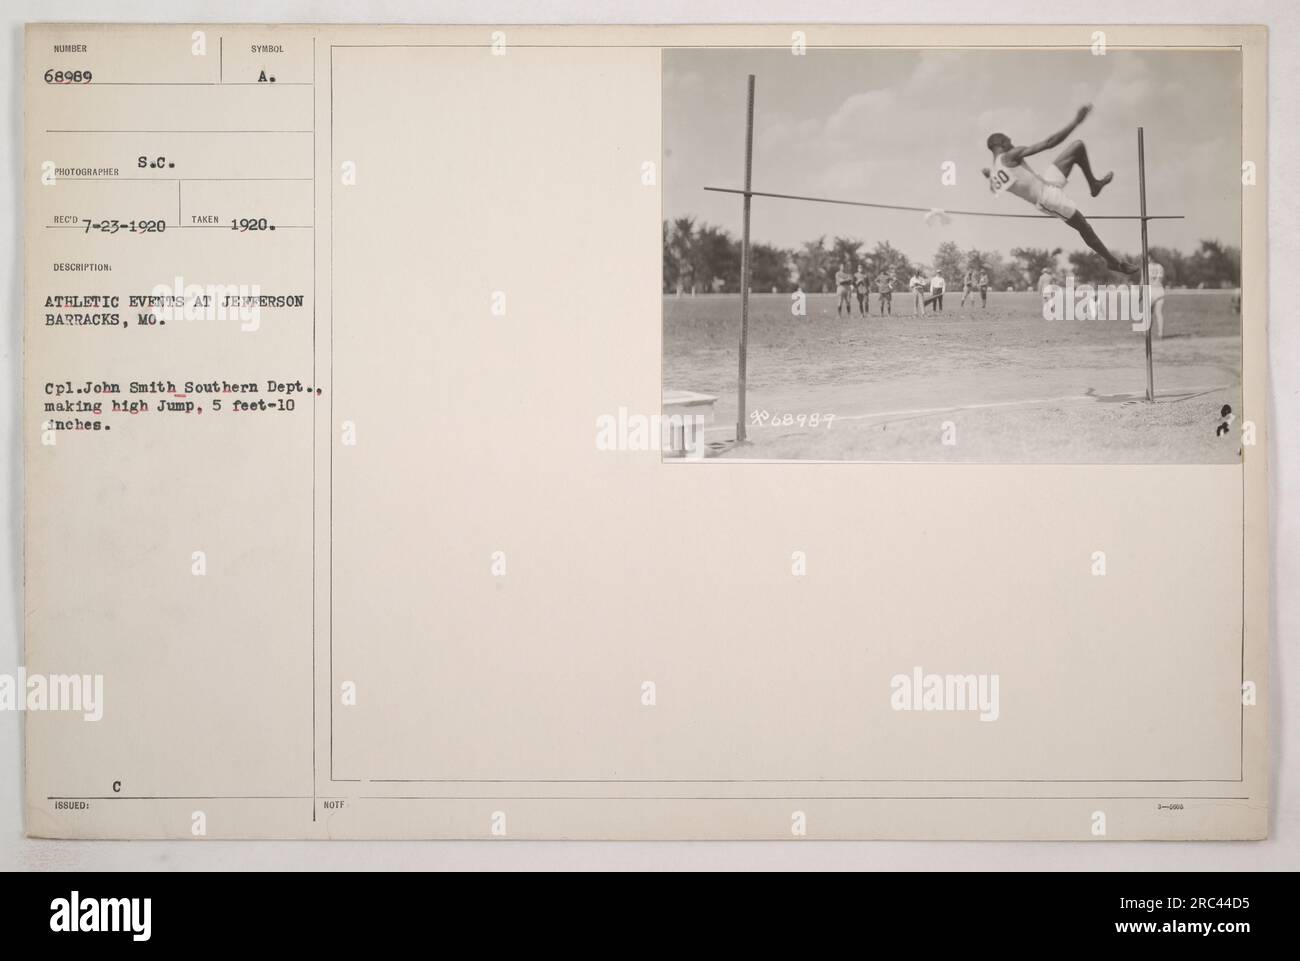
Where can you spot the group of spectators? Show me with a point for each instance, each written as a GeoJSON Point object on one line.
{"type": "Point", "coordinates": [856, 284]}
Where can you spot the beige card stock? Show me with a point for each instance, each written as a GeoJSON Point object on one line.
{"type": "Point", "coordinates": [352, 361]}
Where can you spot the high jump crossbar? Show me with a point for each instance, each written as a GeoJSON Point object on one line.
{"type": "Point", "coordinates": [748, 193]}
{"type": "Point", "coordinates": [922, 210]}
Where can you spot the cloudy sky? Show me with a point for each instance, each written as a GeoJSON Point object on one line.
{"type": "Point", "coordinates": [877, 125]}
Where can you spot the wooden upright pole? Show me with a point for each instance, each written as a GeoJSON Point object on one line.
{"type": "Point", "coordinates": [744, 262]}
{"type": "Point", "coordinates": [1146, 269]}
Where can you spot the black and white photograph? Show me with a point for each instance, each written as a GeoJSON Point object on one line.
{"type": "Point", "coordinates": [367, 511]}
{"type": "Point", "coordinates": [972, 255]}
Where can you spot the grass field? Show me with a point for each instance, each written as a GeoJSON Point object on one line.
{"type": "Point", "coordinates": [1001, 384]}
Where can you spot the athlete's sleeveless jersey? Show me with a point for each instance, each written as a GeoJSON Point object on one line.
{"type": "Point", "coordinates": [1020, 180]}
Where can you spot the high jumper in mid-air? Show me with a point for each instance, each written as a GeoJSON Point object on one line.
{"type": "Point", "coordinates": [1011, 174]}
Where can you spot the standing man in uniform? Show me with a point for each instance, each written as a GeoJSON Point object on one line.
{"type": "Point", "coordinates": [843, 286]}
{"type": "Point", "coordinates": [1156, 275]}
{"type": "Point", "coordinates": [885, 287]}
{"type": "Point", "coordinates": [1046, 285]}
{"type": "Point", "coordinates": [862, 288]}
{"type": "Point", "coordinates": [917, 285]}
{"type": "Point", "coordinates": [937, 287]}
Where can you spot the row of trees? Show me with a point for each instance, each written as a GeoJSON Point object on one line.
{"type": "Point", "coordinates": [704, 258]}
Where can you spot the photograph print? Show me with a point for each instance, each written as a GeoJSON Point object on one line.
{"type": "Point", "coordinates": [953, 255]}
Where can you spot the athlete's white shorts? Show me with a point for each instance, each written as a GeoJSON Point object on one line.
{"type": "Point", "coordinates": [1054, 199]}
